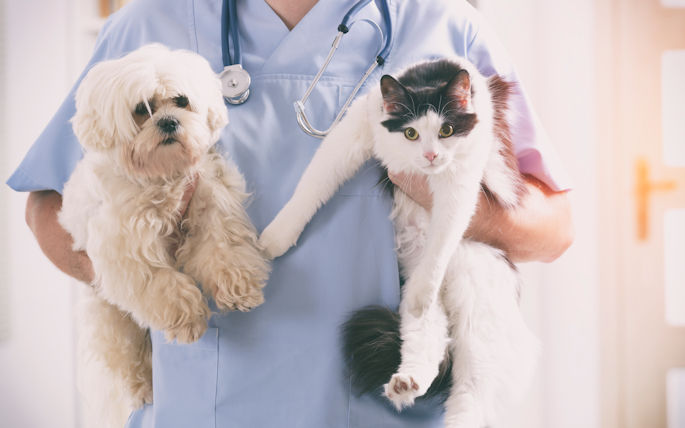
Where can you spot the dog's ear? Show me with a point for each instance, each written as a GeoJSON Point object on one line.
{"type": "Point", "coordinates": [93, 122]}
{"type": "Point", "coordinates": [203, 86]}
{"type": "Point", "coordinates": [217, 114]}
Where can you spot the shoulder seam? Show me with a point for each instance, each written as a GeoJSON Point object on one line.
{"type": "Point", "coordinates": [473, 39]}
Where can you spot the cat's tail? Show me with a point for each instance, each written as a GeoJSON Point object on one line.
{"type": "Point", "coordinates": [372, 342]}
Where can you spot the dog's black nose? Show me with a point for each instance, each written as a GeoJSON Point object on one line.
{"type": "Point", "coordinates": [168, 124]}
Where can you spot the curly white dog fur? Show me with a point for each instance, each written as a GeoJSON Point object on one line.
{"type": "Point", "coordinates": [147, 123]}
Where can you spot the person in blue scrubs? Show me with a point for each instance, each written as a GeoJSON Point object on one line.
{"type": "Point", "coordinates": [280, 365]}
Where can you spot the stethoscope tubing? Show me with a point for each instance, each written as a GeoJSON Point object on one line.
{"type": "Point", "coordinates": [229, 18]}
{"type": "Point", "coordinates": [229, 15]}
{"type": "Point", "coordinates": [385, 12]}
{"type": "Point", "coordinates": [343, 28]}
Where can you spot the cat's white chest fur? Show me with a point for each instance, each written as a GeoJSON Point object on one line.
{"type": "Point", "coordinates": [411, 223]}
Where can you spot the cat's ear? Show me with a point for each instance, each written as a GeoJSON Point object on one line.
{"type": "Point", "coordinates": [395, 96]}
{"type": "Point", "coordinates": [459, 88]}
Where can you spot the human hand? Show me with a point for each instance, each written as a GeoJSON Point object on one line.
{"type": "Point", "coordinates": [57, 244]}
{"type": "Point", "coordinates": [187, 195]}
{"type": "Point", "coordinates": [415, 186]}
{"type": "Point", "coordinates": [539, 229]}
{"type": "Point", "coordinates": [183, 209]}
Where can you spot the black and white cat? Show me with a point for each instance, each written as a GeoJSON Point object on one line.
{"type": "Point", "coordinates": [445, 120]}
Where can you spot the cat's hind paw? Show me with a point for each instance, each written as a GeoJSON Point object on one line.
{"type": "Point", "coordinates": [416, 301]}
{"type": "Point", "coordinates": [402, 390]}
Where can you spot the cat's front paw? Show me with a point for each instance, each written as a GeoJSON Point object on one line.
{"type": "Point", "coordinates": [277, 238]}
{"type": "Point", "coordinates": [402, 390]}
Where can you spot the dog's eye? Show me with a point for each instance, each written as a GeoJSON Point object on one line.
{"type": "Point", "coordinates": [141, 109]}
{"type": "Point", "coordinates": [181, 101]}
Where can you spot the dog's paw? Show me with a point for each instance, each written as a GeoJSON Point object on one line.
{"type": "Point", "coordinates": [242, 303]}
{"type": "Point", "coordinates": [186, 311]}
{"type": "Point", "coordinates": [188, 331]}
{"type": "Point", "coordinates": [141, 393]}
{"type": "Point", "coordinates": [402, 390]}
{"type": "Point", "coordinates": [237, 292]}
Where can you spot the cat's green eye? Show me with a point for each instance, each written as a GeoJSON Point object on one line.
{"type": "Point", "coordinates": [411, 134]}
{"type": "Point", "coordinates": [446, 130]}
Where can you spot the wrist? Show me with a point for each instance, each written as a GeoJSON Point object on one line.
{"type": "Point", "coordinates": [82, 269]}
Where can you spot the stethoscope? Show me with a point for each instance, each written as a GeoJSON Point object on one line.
{"type": "Point", "coordinates": [235, 81]}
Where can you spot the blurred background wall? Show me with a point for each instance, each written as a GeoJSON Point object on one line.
{"type": "Point", "coordinates": [37, 352]}
{"type": "Point", "coordinates": [558, 48]}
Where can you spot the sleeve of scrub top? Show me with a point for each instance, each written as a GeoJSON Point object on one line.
{"type": "Point", "coordinates": [535, 154]}
{"type": "Point", "coordinates": [54, 155]}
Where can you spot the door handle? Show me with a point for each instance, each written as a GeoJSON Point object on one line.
{"type": "Point", "coordinates": [644, 186]}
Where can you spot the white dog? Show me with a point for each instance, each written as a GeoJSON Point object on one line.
{"type": "Point", "coordinates": [147, 123]}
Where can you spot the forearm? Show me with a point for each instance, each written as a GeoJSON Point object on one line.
{"type": "Point", "coordinates": [540, 229]}
{"type": "Point", "coordinates": [55, 242]}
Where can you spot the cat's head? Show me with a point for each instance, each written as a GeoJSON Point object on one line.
{"type": "Point", "coordinates": [428, 116]}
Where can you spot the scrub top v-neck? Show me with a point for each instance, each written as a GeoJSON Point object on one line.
{"type": "Point", "coordinates": [280, 365]}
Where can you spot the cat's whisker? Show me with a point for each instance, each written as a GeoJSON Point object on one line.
{"type": "Point", "coordinates": [445, 111]}
{"type": "Point", "coordinates": [430, 107]}
{"type": "Point", "coordinates": [407, 112]}
{"type": "Point", "coordinates": [408, 181]}
{"type": "Point", "coordinates": [488, 198]}
{"type": "Point", "coordinates": [448, 112]}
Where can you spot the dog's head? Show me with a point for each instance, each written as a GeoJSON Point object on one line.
{"type": "Point", "coordinates": [155, 111]}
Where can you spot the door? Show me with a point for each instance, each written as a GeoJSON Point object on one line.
{"type": "Point", "coordinates": [641, 84]}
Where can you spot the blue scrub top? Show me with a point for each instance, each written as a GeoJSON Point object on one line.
{"type": "Point", "coordinates": [280, 365]}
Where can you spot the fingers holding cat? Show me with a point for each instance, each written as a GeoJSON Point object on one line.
{"type": "Point", "coordinates": [415, 186]}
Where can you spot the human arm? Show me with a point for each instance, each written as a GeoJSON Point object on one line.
{"type": "Point", "coordinates": [55, 242]}
{"type": "Point", "coordinates": [539, 229]}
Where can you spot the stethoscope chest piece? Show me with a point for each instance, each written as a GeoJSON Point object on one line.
{"type": "Point", "coordinates": [235, 84]}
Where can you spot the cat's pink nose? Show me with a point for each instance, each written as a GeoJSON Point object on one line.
{"type": "Point", "coordinates": [430, 156]}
